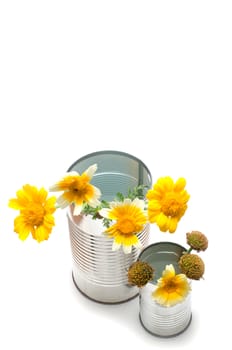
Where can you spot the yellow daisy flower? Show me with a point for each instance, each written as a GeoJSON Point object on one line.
{"type": "Point", "coordinates": [167, 203]}
{"type": "Point", "coordinates": [35, 213]}
{"type": "Point", "coordinates": [129, 217]}
{"type": "Point", "coordinates": [171, 288]}
{"type": "Point", "coordinates": [77, 189]}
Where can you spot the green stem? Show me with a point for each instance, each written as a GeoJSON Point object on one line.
{"type": "Point", "coordinates": [189, 250]}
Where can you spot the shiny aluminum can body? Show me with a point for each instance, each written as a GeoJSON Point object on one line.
{"type": "Point", "coordinates": [158, 319]}
{"type": "Point", "coordinates": [99, 272]}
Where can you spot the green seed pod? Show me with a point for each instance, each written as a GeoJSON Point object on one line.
{"type": "Point", "coordinates": [197, 240]}
{"type": "Point", "coordinates": [140, 273]}
{"type": "Point", "coordinates": [192, 266]}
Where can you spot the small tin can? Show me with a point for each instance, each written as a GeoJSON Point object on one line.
{"type": "Point", "coordinates": [158, 319]}
{"type": "Point", "coordinates": [99, 272]}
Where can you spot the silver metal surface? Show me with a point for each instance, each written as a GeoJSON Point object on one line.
{"type": "Point", "coordinates": [99, 272]}
{"type": "Point", "coordinates": [161, 320]}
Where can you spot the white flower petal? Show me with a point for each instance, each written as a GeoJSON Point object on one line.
{"type": "Point", "coordinates": [62, 202]}
{"type": "Point", "coordinates": [104, 212]}
{"type": "Point", "coordinates": [77, 210]}
{"type": "Point", "coordinates": [115, 246]}
{"type": "Point", "coordinates": [97, 192]}
{"type": "Point", "coordinates": [91, 170]}
{"type": "Point", "coordinates": [127, 201]}
{"type": "Point", "coordinates": [139, 203]}
{"type": "Point", "coordinates": [54, 188]}
{"type": "Point", "coordinates": [114, 204]}
{"type": "Point", "coordinates": [127, 249]}
{"type": "Point", "coordinates": [94, 202]}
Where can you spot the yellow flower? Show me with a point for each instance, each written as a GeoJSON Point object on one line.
{"type": "Point", "coordinates": [130, 218]}
{"type": "Point", "coordinates": [171, 288]}
{"type": "Point", "coordinates": [167, 203]}
{"type": "Point", "coordinates": [77, 189]}
{"type": "Point", "coordinates": [35, 213]}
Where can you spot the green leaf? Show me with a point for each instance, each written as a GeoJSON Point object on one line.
{"type": "Point", "coordinates": [106, 222]}
{"type": "Point", "coordinates": [137, 192]}
{"type": "Point", "coordinates": [119, 197]}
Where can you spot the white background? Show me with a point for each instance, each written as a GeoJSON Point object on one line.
{"type": "Point", "coordinates": [152, 78]}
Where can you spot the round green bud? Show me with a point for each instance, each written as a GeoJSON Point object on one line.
{"type": "Point", "coordinates": [140, 273]}
{"type": "Point", "coordinates": [197, 240]}
{"type": "Point", "coordinates": [192, 266]}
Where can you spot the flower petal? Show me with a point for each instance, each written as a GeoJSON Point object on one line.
{"type": "Point", "coordinates": [77, 209]}
{"type": "Point", "coordinates": [62, 202]}
{"type": "Point", "coordinates": [115, 246]}
{"type": "Point", "coordinates": [169, 271]}
{"type": "Point", "coordinates": [91, 170]}
{"type": "Point", "coordinates": [162, 222]}
{"type": "Point", "coordinates": [173, 222]}
{"type": "Point", "coordinates": [41, 233]}
{"type": "Point", "coordinates": [171, 288]}
{"type": "Point", "coordinates": [139, 203]}
{"type": "Point", "coordinates": [104, 212]}
{"type": "Point", "coordinates": [14, 204]}
{"type": "Point", "coordinates": [180, 185]}
{"type": "Point", "coordinates": [64, 182]}
{"type": "Point", "coordinates": [127, 249]}
{"type": "Point", "coordinates": [21, 228]}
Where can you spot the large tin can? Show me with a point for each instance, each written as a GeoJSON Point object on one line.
{"type": "Point", "coordinates": [99, 272]}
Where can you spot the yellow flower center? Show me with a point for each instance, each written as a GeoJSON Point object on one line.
{"type": "Point", "coordinates": [34, 215]}
{"type": "Point", "coordinates": [81, 187]}
{"type": "Point", "coordinates": [170, 286]}
{"type": "Point", "coordinates": [126, 226]}
{"type": "Point", "coordinates": [77, 190]}
{"type": "Point", "coordinates": [171, 206]}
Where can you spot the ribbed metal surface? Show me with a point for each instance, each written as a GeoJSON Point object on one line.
{"type": "Point", "coordinates": [160, 320]}
{"type": "Point", "coordinates": [157, 319]}
{"type": "Point", "coordinates": [99, 272]}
